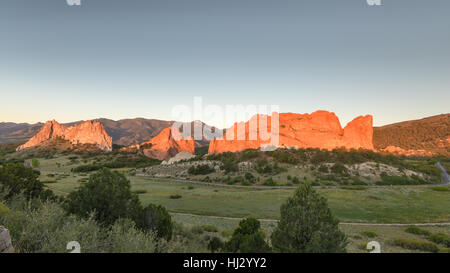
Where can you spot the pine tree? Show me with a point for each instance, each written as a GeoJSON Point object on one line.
{"type": "Point", "coordinates": [307, 225]}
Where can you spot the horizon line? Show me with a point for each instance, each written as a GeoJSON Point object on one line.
{"type": "Point", "coordinates": [170, 120]}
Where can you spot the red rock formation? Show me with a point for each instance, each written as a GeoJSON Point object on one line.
{"type": "Point", "coordinates": [88, 132]}
{"type": "Point", "coordinates": [320, 129]}
{"type": "Point", "coordinates": [167, 144]}
{"type": "Point", "coordinates": [358, 133]}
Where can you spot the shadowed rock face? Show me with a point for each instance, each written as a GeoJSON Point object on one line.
{"type": "Point", "coordinates": [88, 132]}
{"type": "Point", "coordinates": [320, 129]}
{"type": "Point", "coordinates": [167, 144]}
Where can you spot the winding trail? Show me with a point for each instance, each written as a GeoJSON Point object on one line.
{"type": "Point", "coordinates": [445, 176]}
{"type": "Point", "coordinates": [342, 223]}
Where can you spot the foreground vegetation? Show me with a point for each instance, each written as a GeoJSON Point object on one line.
{"type": "Point", "coordinates": [65, 188]}
{"type": "Point", "coordinates": [103, 215]}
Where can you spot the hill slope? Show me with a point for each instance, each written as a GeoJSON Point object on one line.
{"type": "Point", "coordinates": [18, 132]}
{"type": "Point", "coordinates": [431, 134]}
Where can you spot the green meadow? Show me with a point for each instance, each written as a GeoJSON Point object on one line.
{"type": "Point", "coordinates": [398, 204]}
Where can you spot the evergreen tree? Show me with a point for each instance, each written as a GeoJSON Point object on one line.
{"type": "Point", "coordinates": [307, 225]}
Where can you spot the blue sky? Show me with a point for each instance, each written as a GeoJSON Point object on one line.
{"type": "Point", "coordinates": [135, 58]}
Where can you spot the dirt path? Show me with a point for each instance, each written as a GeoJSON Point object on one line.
{"type": "Point", "coordinates": [445, 176]}
{"type": "Point", "coordinates": [342, 223]}
{"type": "Point", "coordinates": [261, 187]}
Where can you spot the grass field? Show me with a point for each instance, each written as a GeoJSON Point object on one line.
{"type": "Point", "coordinates": [400, 204]}
{"type": "Point", "coordinates": [222, 206]}
{"type": "Point", "coordinates": [355, 233]}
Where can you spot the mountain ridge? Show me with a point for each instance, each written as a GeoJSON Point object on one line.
{"type": "Point", "coordinates": [431, 134]}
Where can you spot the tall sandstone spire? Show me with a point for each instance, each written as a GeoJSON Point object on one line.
{"type": "Point", "coordinates": [167, 144]}
{"type": "Point", "coordinates": [320, 129]}
{"type": "Point", "coordinates": [88, 132]}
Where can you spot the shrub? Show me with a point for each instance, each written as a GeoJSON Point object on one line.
{"type": "Point", "coordinates": [200, 169]}
{"type": "Point", "coordinates": [201, 151]}
{"type": "Point", "coordinates": [15, 178]}
{"type": "Point", "coordinates": [249, 177]}
{"type": "Point", "coordinates": [440, 238]}
{"type": "Point", "coordinates": [86, 168]}
{"type": "Point", "coordinates": [124, 237]}
{"type": "Point", "coordinates": [284, 156]}
{"type": "Point", "coordinates": [416, 244]}
{"type": "Point", "coordinates": [369, 234]}
{"type": "Point", "coordinates": [206, 179]}
{"type": "Point", "coordinates": [209, 228]}
{"type": "Point", "coordinates": [140, 191]}
{"type": "Point", "coordinates": [3, 209]}
{"type": "Point", "coordinates": [399, 180]}
{"type": "Point", "coordinates": [48, 229]}
{"type": "Point", "coordinates": [229, 166]}
{"type": "Point", "coordinates": [307, 225]}
{"type": "Point", "coordinates": [417, 230]}
{"type": "Point", "coordinates": [338, 168]}
{"type": "Point", "coordinates": [320, 156]}
{"type": "Point", "coordinates": [197, 230]}
{"type": "Point", "coordinates": [120, 162]}
{"type": "Point", "coordinates": [323, 169]}
{"type": "Point", "coordinates": [175, 196]}
{"type": "Point", "coordinates": [35, 163]}
{"type": "Point", "coordinates": [227, 233]}
{"type": "Point", "coordinates": [295, 180]}
{"type": "Point", "coordinates": [108, 195]}
{"type": "Point", "coordinates": [156, 219]}
{"type": "Point", "coordinates": [215, 244]}
{"type": "Point", "coordinates": [270, 182]}
{"type": "Point", "coordinates": [248, 238]}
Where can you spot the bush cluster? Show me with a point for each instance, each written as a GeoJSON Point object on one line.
{"type": "Point", "coordinates": [414, 244]}
{"type": "Point", "coordinates": [201, 169]}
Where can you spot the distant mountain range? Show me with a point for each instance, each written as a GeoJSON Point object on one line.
{"type": "Point", "coordinates": [18, 132]}
{"type": "Point", "coordinates": [123, 132]}
{"type": "Point", "coordinates": [431, 134]}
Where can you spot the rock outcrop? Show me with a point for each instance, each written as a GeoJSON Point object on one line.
{"type": "Point", "coordinates": [184, 155]}
{"type": "Point", "coordinates": [167, 144]}
{"type": "Point", "coordinates": [88, 132]}
{"type": "Point", "coordinates": [5, 241]}
{"type": "Point", "coordinates": [320, 129]}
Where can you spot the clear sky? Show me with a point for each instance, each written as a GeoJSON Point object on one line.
{"type": "Point", "coordinates": [139, 58]}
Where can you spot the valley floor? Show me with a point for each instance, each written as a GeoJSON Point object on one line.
{"type": "Point", "coordinates": [222, 206]}
{"type": "Point", "coordinates": [397, 204]}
